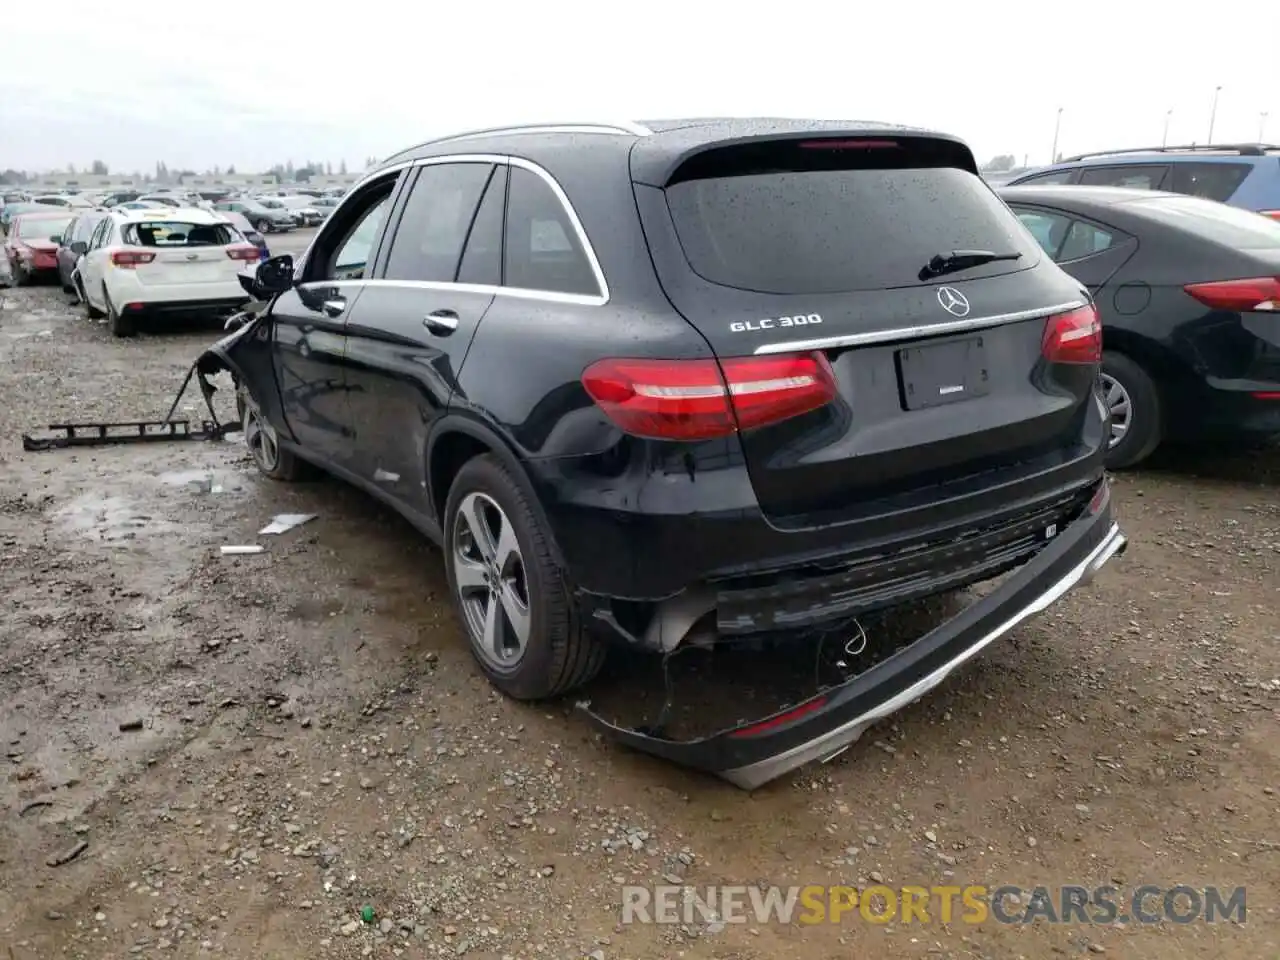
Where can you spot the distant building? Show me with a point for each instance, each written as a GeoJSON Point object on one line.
{"type": "Point", "coordinates": [94, 183]}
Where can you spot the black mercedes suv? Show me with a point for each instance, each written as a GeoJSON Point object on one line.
{"type": "Point", "coordinates": [748, 376]}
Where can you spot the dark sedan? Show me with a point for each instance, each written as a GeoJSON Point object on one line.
{"type": "Point", "coordinates": [264, 219]}
{"type": "Point", "coordinates": [1190, 304]}
{"type": "Point", "coordinates": [78, 231]}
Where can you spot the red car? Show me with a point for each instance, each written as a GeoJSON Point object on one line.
{"type": "Point", "coordinates": [32, 245]}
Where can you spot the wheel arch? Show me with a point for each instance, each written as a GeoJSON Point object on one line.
{"type": "Point", "coordinates": [458, 438]}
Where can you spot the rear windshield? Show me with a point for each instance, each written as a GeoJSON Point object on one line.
{"type": "Point", "coordinates": [1216, 222]}
{"type": "Point", "coordinates": [831, 231]}
{"type": "Point", "coordinates": [173, 233]}
{"type": "Point", "coordinates": [41, 228]}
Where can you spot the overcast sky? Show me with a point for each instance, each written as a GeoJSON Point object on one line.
{"type": "Point", "coordinates": [199, 84]}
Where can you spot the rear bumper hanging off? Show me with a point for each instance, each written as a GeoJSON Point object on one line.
{"type": "Point", "coordinates": [822, 726]}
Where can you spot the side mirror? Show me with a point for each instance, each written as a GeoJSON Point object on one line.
{"type": "Point", "coordinates": [79, 248]}
{"type": "Point", "coordinates": [273, 276]}
{"type": "Point", "coordinates": [56, 239]}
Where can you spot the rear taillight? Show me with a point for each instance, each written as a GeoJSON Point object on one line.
{"type": "Point", "coordinates": [700, 399]}
{"type": "Point", "coordinates": [243, 253]}
{"type": "Point", "coordinates": [1273, 214]}
{"type": "Point", "coordinates": [130, 258]}
{"type": "Point", "coordinates": [1074, 337]}
{"type": "Point", "coordinates": [1241, 296]}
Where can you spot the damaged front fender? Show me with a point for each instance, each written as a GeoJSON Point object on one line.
{"type": "Point", "coordinates": [246, 353]}
{"type": "Point", "coordinates": [753, 754]}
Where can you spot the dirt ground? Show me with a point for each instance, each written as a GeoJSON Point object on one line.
{"type": "Point", "coordinates": [248, 750]}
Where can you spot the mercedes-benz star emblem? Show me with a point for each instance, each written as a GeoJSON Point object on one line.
{"type": "Point", "coordinates": [953, 301]}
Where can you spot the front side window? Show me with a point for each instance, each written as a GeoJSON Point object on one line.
{"type": "Point", "coordinates": [543, 251]}
{"type": "Point", "coordinates": [345, 246]}
{"type": "Point", "coordinates": [437, 217]}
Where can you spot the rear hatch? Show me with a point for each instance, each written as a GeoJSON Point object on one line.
{"type": "Point", "coordinates": [185, 253]}
{"type": "Point", "coordinates": [815, 251]}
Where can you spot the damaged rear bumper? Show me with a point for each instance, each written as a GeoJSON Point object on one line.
{"type": "Point", "coordinates": [818, 728]}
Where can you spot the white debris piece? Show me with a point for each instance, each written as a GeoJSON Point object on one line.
{"type": "Point", "coordinates": [234, 551]}
{"type": "Point", "coordinates": [284, 522]}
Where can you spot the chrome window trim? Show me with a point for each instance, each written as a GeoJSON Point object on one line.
{"type": "Point", "coordinates": [516, 293]}
{"type": "Point", "coordinates": [549, 296]}
{"type": "Point", "coordinates": [911, 333]}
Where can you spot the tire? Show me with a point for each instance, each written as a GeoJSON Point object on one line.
{"type": "Point", "coordinates": [120, 326]}
{"type": "Point", "coordinates": [93, 312]}
{"type": "Point", "coordinates": [1129, 392]}
{"type": "Point", "coordinates": [263, 226]}
{"type": "Point", "coordinates": [556, 654]}
{"type": "Point", "coordinates": [260, 437]}
{"type": "Point", "coordinates": [21, 278]}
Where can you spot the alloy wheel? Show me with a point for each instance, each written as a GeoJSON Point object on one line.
{"type": "Point", "coordinates": [1120, 406]}
{"type": "Point", "coordinates": [493, 587]}
{"type": "Point", "coordinates": [259, 437]}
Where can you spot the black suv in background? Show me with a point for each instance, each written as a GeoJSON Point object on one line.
{"type": "Point", "coordinates": [756, 376]}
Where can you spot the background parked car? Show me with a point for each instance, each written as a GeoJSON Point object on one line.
{"type": "Point", "coordinates": [264, 219]}
{"type": "Point", "coordinates": [11, 210]}
{"type": "Point", "coordinates": [1245, 176]}
{"type": "Point", "coordinates": [241, 223]}
{"type": "Point", "coordinates": [69, 200]}
{"type": "Point", "coordinates": [181, 263]}
{"type": "Point", "coordinates": [1190, 304]}
{"type": "Point", "coordinates": [326, 206]}
{"type": "Point", "coordinates": [32, 245]}
{"type": "Point", "coordinates": [278, 205]}
{"type": "Point", "coordinates": [303, 210]}
{"type": "Point", "coordinates": [79, 230]}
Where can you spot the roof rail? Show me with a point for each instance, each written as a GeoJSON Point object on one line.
{"type": "Point", "coordinates": [623, 128]}
{"type": "Point", "coordinates": [1243, 149]}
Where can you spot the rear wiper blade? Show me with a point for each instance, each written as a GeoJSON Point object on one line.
{"type": "Point", "coordinates": [941, 263]}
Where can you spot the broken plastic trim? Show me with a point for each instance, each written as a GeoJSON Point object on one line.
{"type": "Point", "coordinates": [752, 754]}
{"type": "Point", "coordinates": [149, 431]}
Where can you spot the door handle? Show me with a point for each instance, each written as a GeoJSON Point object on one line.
{"type": "Point", "coordinates": [441, 322]}
{"type": "Point", "coordinates": [334, 307]}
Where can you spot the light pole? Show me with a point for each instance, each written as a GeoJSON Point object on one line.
{"type": "Point", "coordinates": [1213, 114]}
{"type": "Point", "coordinates": [1057, 126]}
{"type": "Point", "coordinates": [1164, 142]}
{"type": "Point", "coordinates": [1262, 126]}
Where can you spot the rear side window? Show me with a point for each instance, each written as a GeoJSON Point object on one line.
{"type": "Point", "coordinates": [1138, 176]}
{"type": "Point", "coordinates": [436, 219]}
{"type": "Point", "coordinates": [174, 233]}
{"type": "Point", "coordinates": [1212, 181]}
{"type": "Point", "coordinates": [835, 230]}
{"type": "Point", "coordinates": [1216, 222]}
{"type": "Point", "coordinates": [1057, 176]}
{"type": "Point", "coordinates": [543, 251]}
{"type": "Point", "coordinates": [1084, 240]}
{"type": "Point", "coordinates": [482, 260]}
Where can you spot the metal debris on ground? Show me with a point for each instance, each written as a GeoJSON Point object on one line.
{"type": "Point", "coordinates": [136, 431]}
{"type": "Point", "coordinates": [284, 522]}
{"type": "Point", "coordinates": [241, 550]}
{"type": "Point", "coordinates": [60, 859]}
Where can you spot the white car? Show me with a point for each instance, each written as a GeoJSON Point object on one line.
{"type": "Point", "coordinates": [178, 262]}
